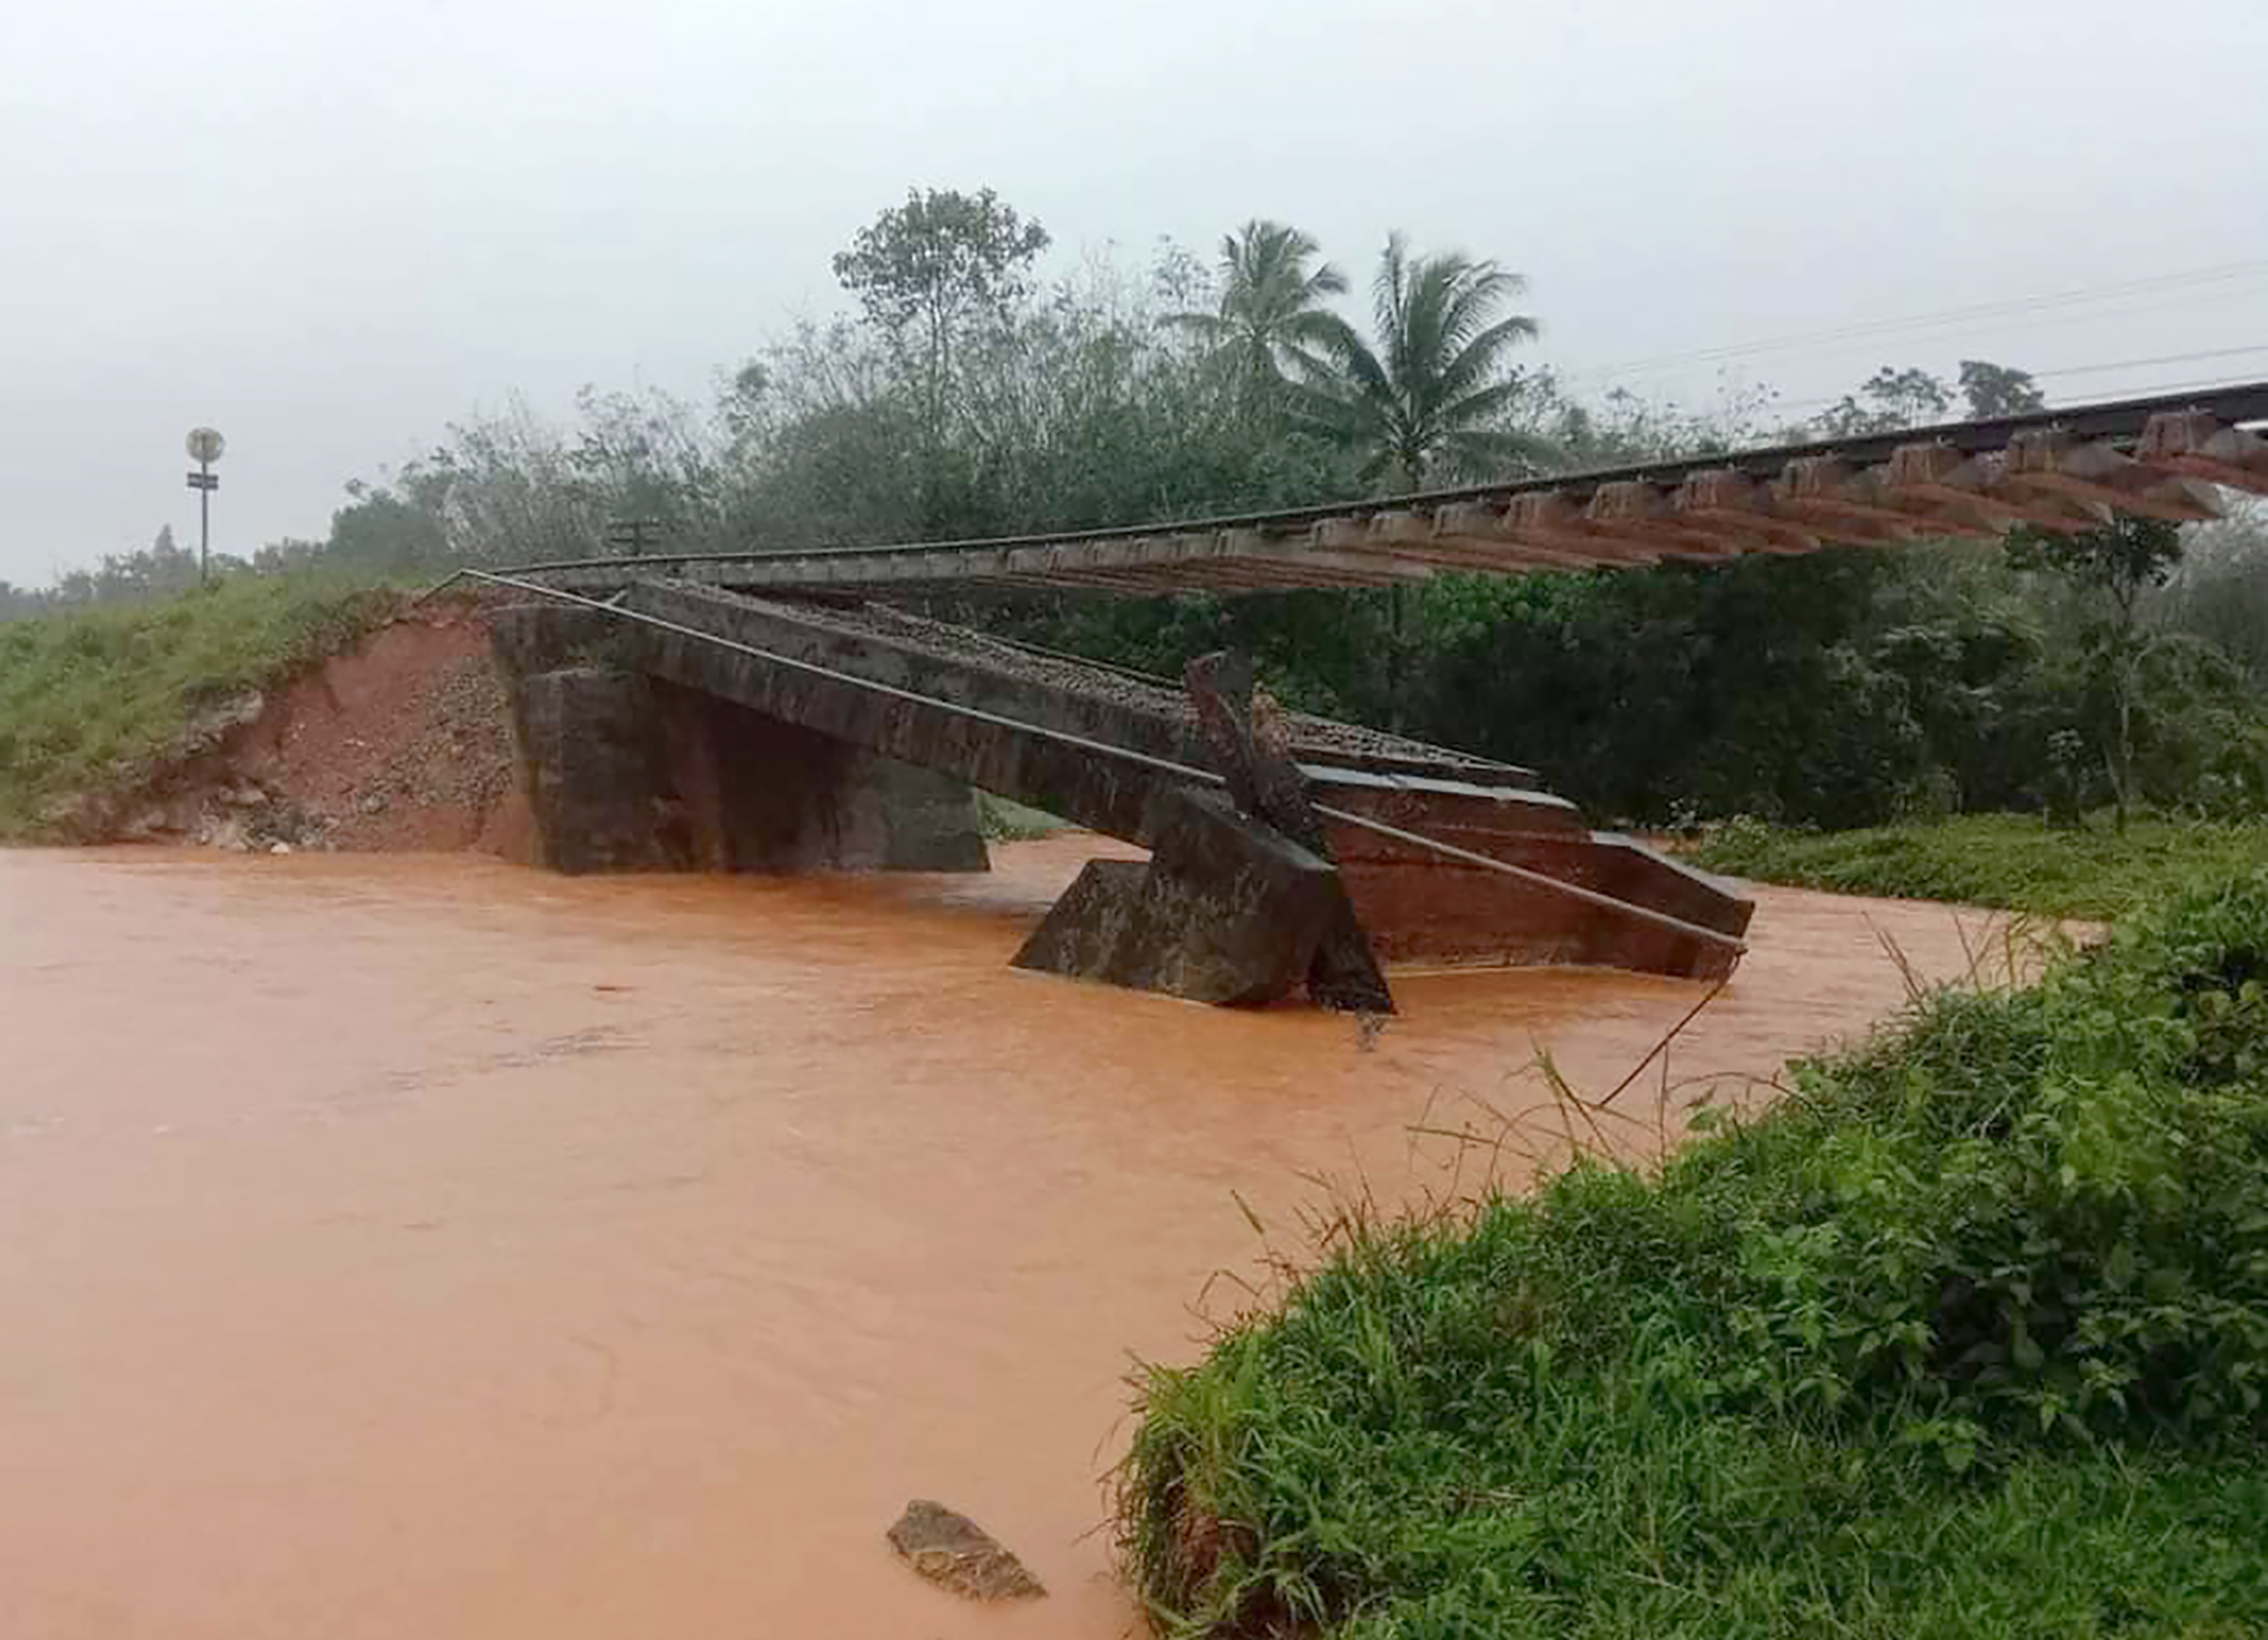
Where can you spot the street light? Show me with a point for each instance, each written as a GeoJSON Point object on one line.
{"type": "Point", "coordinates": [204, 446]}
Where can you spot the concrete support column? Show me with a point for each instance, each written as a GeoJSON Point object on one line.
{"type": "Point", "coordinates": [1227, 910]}
{"type": "Point", "coordinates": [596, 782]}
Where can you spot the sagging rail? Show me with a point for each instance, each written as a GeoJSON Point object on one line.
{"type": "Point", "coordinates": [2066, 470]}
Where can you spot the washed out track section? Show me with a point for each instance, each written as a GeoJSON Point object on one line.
{"type": "Point", "coordinates": [2069, 470]}
{"type": "Point", "coordinates": [1119, 689]}
{"type": "Point", "coordinates": [1112, 752]}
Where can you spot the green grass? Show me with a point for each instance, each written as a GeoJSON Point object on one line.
{"type": "Point", "coordinates": [1967, 1336]}
{"type": "Point", "coordinates": [1003, 819]}
{"type": "Point", "coordinates": [2013, 861]}
{"type": "Point", "coordinates": [89, 700]}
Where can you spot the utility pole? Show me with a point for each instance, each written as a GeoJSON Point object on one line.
{"type": "Point", "coordinates": [629, 536]}
{"type": "Point", "coordinates": [205, 445]}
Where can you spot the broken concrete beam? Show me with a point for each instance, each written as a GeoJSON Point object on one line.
{"type": "Point", "coordinates": [1418, 907]}
{"type": "Point", "coordinates": [625, 772]}
{"type": "Point", "coordinates": [1226, 911]}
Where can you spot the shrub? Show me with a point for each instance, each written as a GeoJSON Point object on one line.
{"type": "Point", "coordinates": [1968, 1335]}
{"type": "Point", "coordinates": [2015, 861]}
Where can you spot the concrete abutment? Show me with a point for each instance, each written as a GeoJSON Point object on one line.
{"type": "Point", "coordinates": [627, 772]}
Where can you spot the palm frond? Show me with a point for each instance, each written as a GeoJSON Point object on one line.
{"type": "Point", "coordinates": [1480, 407]}
{"type": "Point", "coordinates": [1333, 349]}
{"type": "Point", "coordinates": [1389, 295]}
{"type": "Point", "coordinates": [1479, 290]}
{"type": "Point", "coordinates": [1270, 291]}
{"type": "Point", "coordinates": [1480, 359]}
{"type": "Point", "coordinates": [1430, 384]}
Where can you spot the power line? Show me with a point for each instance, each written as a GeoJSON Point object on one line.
{"type": "Point", "coordinates": [2192, 279]}
{"type": "Point", "coordinates": [2162, 358]}
{"type": "Point", "coordinates": [2198, 384]}
{"type": "Point", "coordinates": [1810, 362]}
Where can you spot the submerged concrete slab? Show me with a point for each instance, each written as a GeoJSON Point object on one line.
{"type": "Point", "coordinates": [1422, 908]}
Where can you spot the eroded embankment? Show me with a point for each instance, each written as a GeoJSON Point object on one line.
{"type": "Point", "coordinates": [401, 742]}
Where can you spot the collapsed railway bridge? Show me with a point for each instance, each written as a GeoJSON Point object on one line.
{"type": "Point", "coordinates": [774, 711]}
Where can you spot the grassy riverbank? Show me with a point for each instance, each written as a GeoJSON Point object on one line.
{"type": "Point", "coordinates": [91, 699]}
{"type": "Point", "coordinates": [2014, 861]}
{"type": "Point", "coordinates": [1967, 1336]}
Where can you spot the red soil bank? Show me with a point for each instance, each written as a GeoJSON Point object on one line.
{"type": "Point", "coordinates": [403, 744]}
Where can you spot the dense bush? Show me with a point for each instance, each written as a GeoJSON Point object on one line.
{"type": "Point", "coordinates": [1844, 688]}
{"type": "Point", "coordinates": [1969, 1335]}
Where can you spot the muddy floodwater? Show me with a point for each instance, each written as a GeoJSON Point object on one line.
{"type": "Point", "coordinates": [421, 1247]}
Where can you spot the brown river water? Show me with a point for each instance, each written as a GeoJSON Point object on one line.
{"type": "Point", "coordinates": [420, 1247]}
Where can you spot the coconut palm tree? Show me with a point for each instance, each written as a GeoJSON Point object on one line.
{"type": "Point", "coordinates": [1271, 307]}
{"type": "Point", "coordinates": [1428, 400]}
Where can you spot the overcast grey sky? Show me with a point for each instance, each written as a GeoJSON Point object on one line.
{"type": "Point", "coordinates": [330, 227]}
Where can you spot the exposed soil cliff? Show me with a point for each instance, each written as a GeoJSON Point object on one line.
{"type": "Point", "coordinates": [401, 743]}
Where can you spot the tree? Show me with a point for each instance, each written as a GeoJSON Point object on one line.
{"type": "Point", "coordinates": [925, 270]}
{"type": "Point", "coordinates": [2112, 567]}
{"type": "Point", "coordinates": [377, 530]}
{"type": "Point", "coordinates": [2220, 591]}
{"type": "Point", "coordinates": [1889, 401]}
{"type": "Point", "coordinates": [1992, 390]}
{"type": "Point", "coordinates": [1432, 395]}
{"type": "Point", "coordinates": [1271, 308]}
{"type": "Point", "coordinates": [166, 567]}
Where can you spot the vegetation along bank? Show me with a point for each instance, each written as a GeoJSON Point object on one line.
{"type": "Point", "coordinates": [1968, 1335]}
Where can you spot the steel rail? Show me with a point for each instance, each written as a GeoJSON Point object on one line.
{"type": "Point", "coordinates": [1160, 765]}
{"type": "Point", "coordinates": [2120, 418]}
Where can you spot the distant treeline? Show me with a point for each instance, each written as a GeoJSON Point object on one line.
{"type": "Point", "coordinates": [967, 397]}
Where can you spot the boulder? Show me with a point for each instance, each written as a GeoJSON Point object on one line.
{"type": "Point", "coordinates": [954, 1553]}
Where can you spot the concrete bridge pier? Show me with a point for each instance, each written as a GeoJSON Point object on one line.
{"type": "Point", "coordinates": [1227, 910]}
{"type": "Point", "coordinates": [627, 772]}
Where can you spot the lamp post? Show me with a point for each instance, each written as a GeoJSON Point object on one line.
{"type": "Point", "coordinates": [204, 446]}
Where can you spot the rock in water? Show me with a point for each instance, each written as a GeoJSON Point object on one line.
{"type": "Point", "coordinates": [953, 1552]}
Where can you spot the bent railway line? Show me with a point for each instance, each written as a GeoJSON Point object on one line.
{"type": "Point", "coordinates": [2068, 470]}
